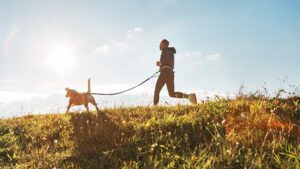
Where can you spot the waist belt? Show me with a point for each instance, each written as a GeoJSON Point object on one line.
{"type": "Point", "coordinates": [166, 67]}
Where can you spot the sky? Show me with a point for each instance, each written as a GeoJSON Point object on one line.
{"type": "Point", "coordinates": [46, 46]}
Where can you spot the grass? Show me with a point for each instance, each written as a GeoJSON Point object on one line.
{"type": "Point", "coordinates": [222, 133]}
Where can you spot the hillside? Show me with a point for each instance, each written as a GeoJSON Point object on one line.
{"type": "Point", "coordinates": [248, 132]}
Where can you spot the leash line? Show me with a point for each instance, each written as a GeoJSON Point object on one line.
{"type": "Point", "coordinates": [123, 91]}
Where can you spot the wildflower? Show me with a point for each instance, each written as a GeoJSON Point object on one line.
{"type": "Point", "coordinates": [237, 143]}
{"type": "Point", "coordinates": [55, 141]}
{"type": "Point", "coordinates": [154, 145]}
{"type": "Point", "coordinates": [218, 135]}
{"type": "Point", "coordinates": [169, 133]}
{"type": "Point", "coordinates": [177, 156]}
{"type": "Point", "coordinates": [105, 152]}
{"type": "Point", "coordinates": [186, 135]}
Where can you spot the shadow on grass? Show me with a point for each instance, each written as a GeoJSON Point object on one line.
{"type": "Point", "coordinates": [95, 135]}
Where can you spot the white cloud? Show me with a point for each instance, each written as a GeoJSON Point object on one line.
{"type": "Point", "coordinates": [199, 57]}
{"type": "Point", "coordinates": [7, 42]}
{"type": "Point", "coordinates": [111, 48]}
{"type": "Point", "coordinates": [213, 57]}
{"type": "Point", "coordinates": [10, 80]}
{"type": "Point", "coordinates": [192, 57]}
{"type": "Point", "coordinates": [103, 48]}
{"type": "Point", "coordinates": [53, 103]}
{"type": "Point", "coordinates": [132, 33]}
{"type": "Point", "coordinates": [120, 45]}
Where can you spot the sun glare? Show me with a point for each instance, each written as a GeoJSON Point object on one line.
{"type": "Point", "coordinates": [61, 59]}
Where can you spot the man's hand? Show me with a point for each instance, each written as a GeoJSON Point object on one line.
{"type": "Point", "coordinates": [158, 63]}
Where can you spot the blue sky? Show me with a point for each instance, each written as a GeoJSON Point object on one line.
{"type": "Point", "coordinates": [46, 46]}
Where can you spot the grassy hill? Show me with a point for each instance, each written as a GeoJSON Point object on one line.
{"type": "Point", "coordinates": [248, 132]}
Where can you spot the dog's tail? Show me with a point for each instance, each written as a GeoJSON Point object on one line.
{"type": "Point", "coordinates": [89, 86]}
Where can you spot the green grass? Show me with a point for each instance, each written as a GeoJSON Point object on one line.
{"type": "Point", "coordinates": [161, 137]}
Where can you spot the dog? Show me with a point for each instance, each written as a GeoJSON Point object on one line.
{"type": "Point", "coordinates": [77, 98]}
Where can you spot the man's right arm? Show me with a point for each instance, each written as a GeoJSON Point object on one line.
{"type": "Point", "coordinates": [158, 63]}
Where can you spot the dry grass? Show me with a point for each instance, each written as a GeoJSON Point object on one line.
{"type": "Point", "coordinates": [248, 132]}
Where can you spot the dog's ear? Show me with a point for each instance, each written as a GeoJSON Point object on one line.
{"type": "Point", "coordinates": [67, 89]}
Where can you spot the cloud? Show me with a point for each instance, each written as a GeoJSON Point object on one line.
{"type": "Point", "coordinates": [120, 45]}
{"type": "Point", "coordinates": [111, 48]}
{"type": "Point", "coordinates": [54, 103]}
{"type": "Point", "coordinates": [102, 49]}
{"type": "Point", "coordinates": [199, 57]}
{"type": "Point", "coordinates": [213, 57]}
{"type": "Point", "coordinates": [133, 33]}
{"type": "Point", "coordinates": [7, 42]}
{"type": "Point", "coordinates": [11, 96]}
{"type": "Point", "coordinates": [194, 57]}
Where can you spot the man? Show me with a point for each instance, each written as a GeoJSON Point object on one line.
{"type": "Point", "coordinates": [166, 76]}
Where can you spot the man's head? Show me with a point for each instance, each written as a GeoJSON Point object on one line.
{"type": "Point", "coordinates": [163, 44]}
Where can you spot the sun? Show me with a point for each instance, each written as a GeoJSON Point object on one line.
{"type": "Point", "coordinates": [61, 59]}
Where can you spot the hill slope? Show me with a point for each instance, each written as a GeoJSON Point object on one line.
{"type": "Point", "coordinates": [246, 132]}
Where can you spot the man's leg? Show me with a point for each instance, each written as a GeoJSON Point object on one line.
{"type": "Point", "coordinates": [171, 88]}
{"type": "Point", "coordinates": [159, 85]}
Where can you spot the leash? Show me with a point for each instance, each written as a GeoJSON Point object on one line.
{"type": "Point", "coordinates": [123, 91]}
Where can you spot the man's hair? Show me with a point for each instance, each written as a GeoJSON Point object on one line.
{"type": "Point", "coordinates": [165, 41]}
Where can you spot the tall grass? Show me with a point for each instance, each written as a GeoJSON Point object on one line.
{"type": "Point", "coordinates": [222, 133]}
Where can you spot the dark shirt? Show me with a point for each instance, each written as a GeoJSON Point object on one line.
{"type": "Point", "coordinates": [167, 57]}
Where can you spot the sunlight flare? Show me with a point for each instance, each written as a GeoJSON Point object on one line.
{"type": "Point", "coordinates": [61, 59]}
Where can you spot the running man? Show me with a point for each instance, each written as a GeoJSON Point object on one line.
{"type": "Point", "coordinates": [166, 76]}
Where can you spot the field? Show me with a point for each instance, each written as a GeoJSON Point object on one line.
{"type": "Point", "coordinates": [246, 132]}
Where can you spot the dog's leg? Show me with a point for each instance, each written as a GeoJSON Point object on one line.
{"type": "Point", "coordinates": [87, 107]}
{"type": "Point", "coordinates": [68, 108]}
{"type": "Point", "coordinates": [97, 108]}
{"type": "Point", "coordinates": [95, 104]}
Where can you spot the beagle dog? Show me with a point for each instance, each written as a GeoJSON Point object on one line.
{"type": "Point", "coordinates": [77, 98]}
